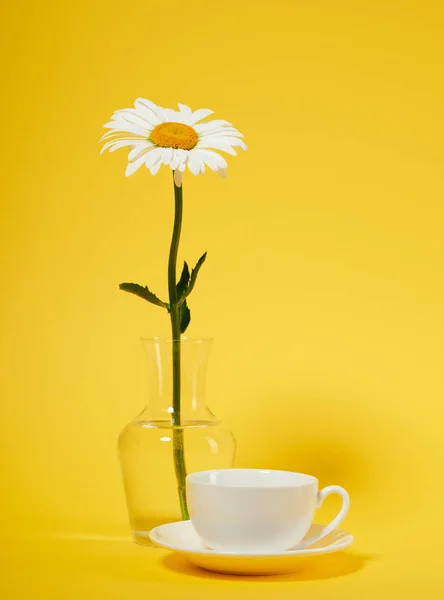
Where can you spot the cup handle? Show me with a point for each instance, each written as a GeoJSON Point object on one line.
{"type": "Point", "coordinates": [331, 489]}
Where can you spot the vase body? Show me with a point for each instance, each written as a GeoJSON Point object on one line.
{"type": "Point", "coordinates": [146, 444]}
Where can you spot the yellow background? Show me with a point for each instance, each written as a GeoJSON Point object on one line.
{"type": "Point", "coordinates": [323, 286]}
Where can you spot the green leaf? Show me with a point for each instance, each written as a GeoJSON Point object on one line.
{"type": "Point", "coordinates": [183, 281]}
{"type": "Point", "coordinates": [185, 316]}
{"type": "Point", "coordinates": [142, 292]}
{"type": "Point", "coordinates": [193, 278]}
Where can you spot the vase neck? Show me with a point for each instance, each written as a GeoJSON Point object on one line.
{"type": "Point", "coordinates": [194, 356]}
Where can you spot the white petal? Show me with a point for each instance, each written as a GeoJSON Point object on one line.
{"type": "Point", "coordinates": [133, 167]}
{"type": "Point", "coordinates": [121, 125]}
{"type": "Point", "coordinates": [200, 114]}
{"type": "Point", "coordinates": [214, 130]}
{"type": "Point", "coordinates": [222, 143]}
{"type": "Point", "coordinates": [204, 129]}
{"type": "Point", "coordinates": [109, 134]}
{"type": "Point", "coordinates": [230, 139]}
{"type": "Point", "coordinates": [122, 134]}
{"type": "Point", "coordinates": [171, 116]}
{"type": "Point", "coordinates": [212, 159]}
{"type": "Point", "coordinates": [147, 113]}
{"type": "Point", "coordinates": [175, 161]}
{"type": "Point", "coordinates": [184, 162]}
{"type": "Point", "coordinates": [178, 175]}
{"type": "Point", "coordinates": [186, 114]}
{"type": "Point", "coordinates": [155, 168]}
{"type": "Point", "coordinates": [131, 115]}
{"type": "Point", "coordinates": [183, 154]}
{"type": "Point", "coordinates": [217, 144]}
{"type": "Point", "coordinates": [194, 162]}
{"type": "Point", "coordinates": [179, 157]}
{"type": "Point", "coordinates": [218, 123]}
{"type": "Point", "coordinates": [157, 110]}
{"type": "Point", "coordinates": [153, 156]}
{"type": "Point", "coordinates": [139, 151]}
{"type": "Point", "coordinates": [167, 156]}
{"type": "Point", "coordinates": [114, 145]}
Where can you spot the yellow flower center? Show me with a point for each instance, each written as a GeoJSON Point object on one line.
{"type": "Point", "coordinates": [174, 135]}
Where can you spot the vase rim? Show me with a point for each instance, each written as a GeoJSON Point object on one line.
{"type": "Point", "coordinates": [185, 340]}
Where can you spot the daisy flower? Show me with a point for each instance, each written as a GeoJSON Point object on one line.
{"type": "Point", "coordinates": [179, 139]}
{"type": "Point", "coordinates": [161, 136]}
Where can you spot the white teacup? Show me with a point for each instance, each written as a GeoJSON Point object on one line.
{"type": "Point", "coordinates": [256, 510]}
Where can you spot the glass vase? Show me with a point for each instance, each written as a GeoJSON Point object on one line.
{"type": "Point", "coordinates": [171, 437]}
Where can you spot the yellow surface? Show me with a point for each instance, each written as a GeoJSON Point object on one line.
{"type": "Point", "coordinates": [323, 286]}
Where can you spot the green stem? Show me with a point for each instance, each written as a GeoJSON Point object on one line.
{"type": "Point", "coordinates": [178, 441]}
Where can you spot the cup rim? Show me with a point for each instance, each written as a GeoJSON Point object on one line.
{"type": "Point", "coordinates": [194, 478]}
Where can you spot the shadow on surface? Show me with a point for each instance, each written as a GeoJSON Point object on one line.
{"type": "Point", "coordinates": [322, 567]}
{"type": "Point", "coordinates": [120, 561]}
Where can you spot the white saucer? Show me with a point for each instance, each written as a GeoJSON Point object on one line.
{"type": "Point", "coordinates": [181, 537]}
